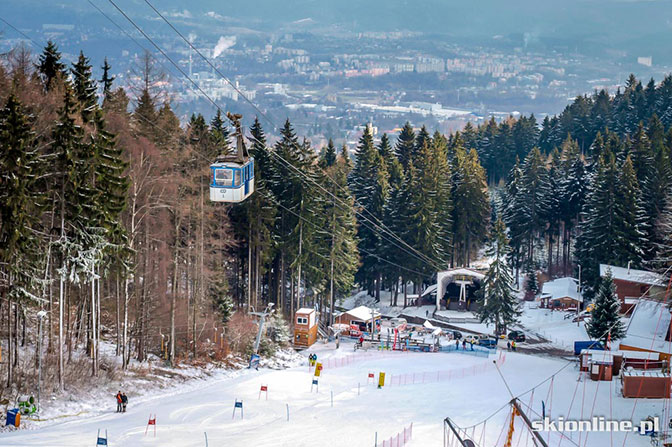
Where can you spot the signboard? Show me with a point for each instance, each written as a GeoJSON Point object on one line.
{"type": "Point", "coordinates": [381, 380]}
{"type": "Point", "coordinates": [318, 369]}
{"type": "Point", "coordinates": [254, 361]}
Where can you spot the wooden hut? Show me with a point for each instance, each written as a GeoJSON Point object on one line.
{"type": "Point", "coordinates": [305, 327]}
{"type": "Point", "coordinates": [646, 384]}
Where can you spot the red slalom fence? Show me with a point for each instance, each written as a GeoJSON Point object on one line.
{"type": "Point", "coordinates": [353, 358]}
{"type": "Point", "coordinates": [443, 376]}
{"type": "Point", "coordinates": [400, 439]}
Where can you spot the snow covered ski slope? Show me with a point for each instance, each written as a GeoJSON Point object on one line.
{"type": "Point", "coordinates": [421, 388]}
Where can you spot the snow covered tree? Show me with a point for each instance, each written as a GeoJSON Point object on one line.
{"type": "Point", "coordinates": [610, 229]}
{"type": "Point", "coordinates": [471, 205]}
{"type": "Point", "coordinates": [532, 283]}
{"type": "Point", "coordinates": [605, 323]}
{"type": "Point", "coordinates": [573, 185]}
{"type": "Point", "coordinates": [425, 231]}
{"type": "Point", "coordinates": [629, 218]}
{"type": "Point", "coordinates": [84, 87]}
{"type": "Point", "coordinates": [535, 198]}
{"type": "Point", "coordinates": [405, 145]}
{"type": "Point", "coordinates": [500, 305]}
{"type": "Point", "coordinates": [368, 182]}
{"type": "Point", "coordinates": [340, 238]}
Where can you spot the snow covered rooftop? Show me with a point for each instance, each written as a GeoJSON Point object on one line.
{"type": "Point", "coordinates": [305, 310]}
{"type": "Point", "coordinates": [648, 326]}
{"type": "Point", "coordinates": [632, 275]}
{"type": "Point", "coordinates": [362, 313]}
{"type": "Point", "coordinates": [461, 272]}
{"type": "Point", "coordinates": [562, 288]}
{"type": "Point", "coordinates": [429, 290]}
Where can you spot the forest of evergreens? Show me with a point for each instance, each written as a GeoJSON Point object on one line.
{"type": "Point", "coordinates": [105, 221]}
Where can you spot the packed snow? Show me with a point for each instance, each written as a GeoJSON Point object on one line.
{"type": "Point", "coordinates": [466, 388]}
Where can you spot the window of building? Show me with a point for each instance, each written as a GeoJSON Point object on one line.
{"type": "Point", "coordinates": [301, 320]}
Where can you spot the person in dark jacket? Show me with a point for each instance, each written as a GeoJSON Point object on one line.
{"type": "Point", "coordinates": [124, 401]}
{"type": "Point", "coordinates": [118, 402]}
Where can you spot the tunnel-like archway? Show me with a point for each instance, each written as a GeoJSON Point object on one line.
{"type": "Point", "coordinates": [455, 288]}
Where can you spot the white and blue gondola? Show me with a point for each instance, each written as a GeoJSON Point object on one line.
{"type": "Point", "coordinates": [232, 176]}
{"type": "Point", "coordinates": [231, 181]}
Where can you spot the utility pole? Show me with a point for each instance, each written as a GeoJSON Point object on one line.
{"type": "Point", "coordinates": [578, 323]}
{"type": "Point", "coordinates": [262, 319]}
{"type": "Point", "coordinates": [40, 317]}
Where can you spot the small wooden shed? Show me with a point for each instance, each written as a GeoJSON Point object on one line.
{"type": "Point", "coordinates": [601, 366]}
{"type": "Point", "coordinates": [646, 384]}
{"type": "Point", "coordinates": [361, 317]}
{"type": "Point", "coordinates": [305, 327]}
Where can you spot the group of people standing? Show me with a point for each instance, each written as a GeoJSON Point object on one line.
{"type": "Point", "coordinates": [122, 400]}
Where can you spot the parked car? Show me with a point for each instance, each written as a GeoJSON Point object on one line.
{"type": "Point", "coordinates": [490, 343]}
{"type": "Point", "coordinates": [517, 336]}
{"type": "Point", "coordinates": [482, 340]}
{"type": "Point", "coordinates": [457, 335]}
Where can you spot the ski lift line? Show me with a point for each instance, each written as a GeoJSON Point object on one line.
{"type": "Point", "coordinates": [271, 121]}
{"type": "Point", "coordinates": [359, 249]}
{"type": "Point", "coordinates": [168, 71]}
{"type": "Point", "coordinates": [233, 85]}
{"type": "Point", "coordinates": [427, 259]}
{"type": "Point", "coordinates": [19, 31]}
{"type": "Point", "coordinates": [376, 228]}
{"type": "Point", "coordinates": [419, 255]}
{"type": "Point", "coordinates": [536, 413]}
{"type": "Point", "coordinates": [365, 251]}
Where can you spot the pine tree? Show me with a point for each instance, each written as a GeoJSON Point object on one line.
{"type": "Point", "coordinates": [500, 305]}
{"type": "Point", "coordinates": [368, 182]}
{"type": "Point", "coordinates": [532, 283]}
{"type": "Point", "coordinates": [84, 87]}
{"type": "Point", "coordinates": [611, 220]}
{"type": "Point", "coordinates": [535, 198]}
{"type": "Point", "coordinates": [472, 206]}
{"type": "Point", "coordinates": [111, 183]}
{"type": "Point", "coordinates": [330, 154]}
{"type": "Point", "coordinates": [629, 218]}
{"type": "Point", "coordinates": [145, 116]}
{"type": "Point", "coordinates": [572, 189]}
{"type": "Point", "coordinates": [20, 200]}
{"type": "Point", "coordinates": [343, 256]}
{"type": "Point", "coordinates": [605, 323]}
{"type": "Point", "coordinates": [663, 259]}
{"type": "Point", "coordinates": [107, 80]}
{"type": "Point", "coordinates": [219, 134]}
{"type": "Point", "coordinates": [515, 216]}
{"type": "Point", "coordinates": [405, 145]}
{"type": "Point", "coordinates": [426, 233]}
{"type": "Point", "coordinates": [50, 66]}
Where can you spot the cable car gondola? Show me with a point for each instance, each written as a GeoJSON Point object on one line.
{"type": "Point", "coordinates": [232, 176]}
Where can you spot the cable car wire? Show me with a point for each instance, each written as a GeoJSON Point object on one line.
{"type": "Point", "coordinates": [380, 224]}
{"type": "Point", "coordinates": [380, 228]}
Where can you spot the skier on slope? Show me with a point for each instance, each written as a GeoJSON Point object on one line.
{"type": "Point", "coordinates": [124, 401]}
